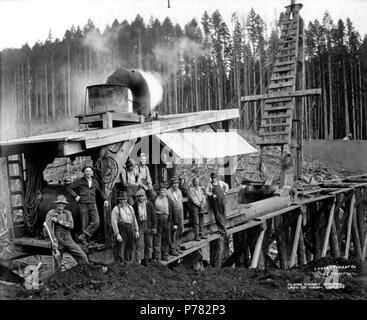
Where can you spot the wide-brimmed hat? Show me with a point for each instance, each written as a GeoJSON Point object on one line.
{"type": "Point", "coordinates": [130, 163]}
{"type": "Point", "coordinates": [162, 185]}
{"type": "Point", "coordinates": [140, 192]}
{"type": "Point", "coordinates": [122, 195]}
{"type": "Point", "coordinates": [174, 180]}
{"type": "Point", "coordinates": [61, 199]}
{"type": "Point", "coordinates": [214, 175]}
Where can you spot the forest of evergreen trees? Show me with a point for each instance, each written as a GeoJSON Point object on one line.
{"type": "Point", "coordinates": [205, 64]}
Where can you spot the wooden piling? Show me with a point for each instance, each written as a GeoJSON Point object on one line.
{"type": "Point", "coordinates": [258, 246]}
{"type": "Point", "coordinates": [281, 245]}
{"type": "Point", "coordinates": [356, 239]}
{"type": "Point", "coordinates": [328, 229]}
{"type": "Point", "coordinates": [364, 246]}
{"type": "Point", "coordinates": [334, 241]}
{"type": "Point", "coordinates": [349, 227]}
{"type": "Point", "coordinates": [296, 241]}
{"type": "Point", "coordinates": [216, 252]}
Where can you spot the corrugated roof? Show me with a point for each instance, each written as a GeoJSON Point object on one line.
{"type": "Point", "coordinates": [198, 145]}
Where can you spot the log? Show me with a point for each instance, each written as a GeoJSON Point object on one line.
{"type": "Point", "coordinates": [328, 229]}
{"type": "Point", "coordinates": [296, 240]}
{"type": "Point", "coordinates": [349, 228]}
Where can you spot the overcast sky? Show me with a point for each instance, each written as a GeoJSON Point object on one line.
{"type": "Point", "coordinates": [28, 21]}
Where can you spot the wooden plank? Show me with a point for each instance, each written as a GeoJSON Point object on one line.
{"type": "Point", "coordinates": [275, 133]}
{"type": "Point", "coordinates": [277, 109]}
{"type": "Point", "coordinates": [283, 84]}
{"type": "Point", "coordinates": [270, 125]}
{"type": "Point", "coordinates": [272, 142]}
{"type": "Point", "coordinates": [276, 77]}
{"type": "Point", "coordinates": [298, 93]}
{"type": "Point", "coordinates": [277, 116]}
{"type": "Point", "coordinates": [32, 242]}
{"type": "Point", "coordinates": [284, 63]}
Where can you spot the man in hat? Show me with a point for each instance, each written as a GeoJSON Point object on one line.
{"type": "Point", "coordinates": [174, 194]}
{"type": "Point", "coordinates": [145, 177]}
{"type": "Point", "coordinates": [84, 191]}
{"type": "Point", "coordinates": [59, 222]}
{"type": "Point", "coordinates": [198, 207]}
{"type": "Point", "coordinates": [131, 180]}
{"type": "Point", "coordinates": [147, 222]}
{"type": "Point", "coordinates": [163, 210]}
{"type": "Point", "coordinates": [125, 229]}
{"type": "Point", "coordinates": [217, 190]}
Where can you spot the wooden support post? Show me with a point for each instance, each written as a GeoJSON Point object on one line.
{"type": "Point", "coordinates": [107, 120]}
{"type": "Point", "coordinates": [316, 221]}
{"type": "Point", "coordinates": [360, 221]}
{"type": "Point", "coordinates": [364, 246]}
{"type": "Point", "coordinates": [356, 239]}
{"type": "Point", "coordinates": [258, 246]}
{"type": "Point", "coordinates": [296, 240]}
{"type": "Point", "coordinates": [349, 228]}
{"type": "Point", "coordinates": [301, 250]}
{"type": "Point", "coordinates": [216, 252]}
{"type": "Point", "coordinates": [228, 178]}
{"type": "Point", "coordinates": [328, 229]}
{"type": "Point", "coordinates": [281, 245]}
{"type": "Point", "coordinates": [334, 241]}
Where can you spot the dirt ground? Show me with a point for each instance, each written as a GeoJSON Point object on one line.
{"type": "Point", "coordinates": [158, 282]}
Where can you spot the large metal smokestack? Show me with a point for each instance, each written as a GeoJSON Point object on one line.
{"type": "Point", "coordinates": [134, 80]}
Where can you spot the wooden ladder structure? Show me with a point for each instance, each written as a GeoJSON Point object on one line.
{"type": "Point", "coordinates": [15, 170]}
{"type": "Point", "coordinates": [282, 117]}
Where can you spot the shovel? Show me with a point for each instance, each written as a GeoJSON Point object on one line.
{"type": "Point", "coordinates": [55, 252]}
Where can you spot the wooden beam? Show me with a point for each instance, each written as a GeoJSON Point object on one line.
{"type": "Point", "coordinates": [69, 148]}
{"type": "Point", "coordinates": [97, 138]}
{"type": "Point", "coordinates": [298, 93]}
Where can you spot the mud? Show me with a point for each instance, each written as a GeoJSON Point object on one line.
{"type": "Point", "coordinates": [159, 282]}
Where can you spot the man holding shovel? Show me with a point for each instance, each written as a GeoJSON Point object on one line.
{"type": "Point", "coordinates": [58, 224]}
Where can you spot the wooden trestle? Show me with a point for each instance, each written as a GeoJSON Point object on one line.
{"type": "Point", "coordinates": [329, 220]}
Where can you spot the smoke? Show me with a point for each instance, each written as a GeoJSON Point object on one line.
{"type": "Point", "coordinates": [98, 42]}
{"type": "Point", "coordinates": [154, 81]}
{"type": "Point", "coordinates": [102, 43]}
{"type": "Point", "coordinates": [171, 54]}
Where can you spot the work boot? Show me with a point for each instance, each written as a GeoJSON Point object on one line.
{"type": "Point", "coordinates": [204, 236]}
{"type": "Point", "coordinates": [197, 238]}
{"type": "Point", "coordinates": [165, 258]}
{"type": "Point", "coordinates": [83, 240]}
{"type": "Point", "coordinates": [173, 253]}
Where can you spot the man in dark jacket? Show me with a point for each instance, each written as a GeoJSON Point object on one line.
{"type": "Point", "coordinates": [164, 212]}
{"type": "Point", "coordinates": [147, 222]}
{"type": "Point", "coordinates": [84, 192]}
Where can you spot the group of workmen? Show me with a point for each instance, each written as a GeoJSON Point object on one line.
{"type": "Point", "coordinates": [146, 227]}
